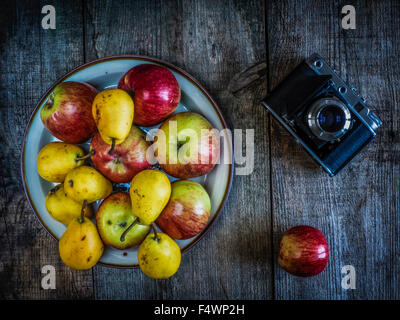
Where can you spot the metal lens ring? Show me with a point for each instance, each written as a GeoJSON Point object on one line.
{"type": "Point", "coordinates": [329, 119]}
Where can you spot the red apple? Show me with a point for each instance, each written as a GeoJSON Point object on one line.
{"type": "Point", "coordinates": [186, 151]}
{"type": "Point", "coordinates": [304, 251]}
{"type": "Point", "coordinates": [187, 211]}
{"type": "Point", "coordinates": [155, 91]}
{"type": "Point", "coordinates": [126, 161]}
{"type": "Point", "coordinates": [67, 113]}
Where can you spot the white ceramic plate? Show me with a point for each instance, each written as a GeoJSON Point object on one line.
{"type": "Point", "coordinates": [105, 73]}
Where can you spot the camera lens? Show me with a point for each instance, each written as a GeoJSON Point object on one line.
{"type": "Point", "coordinates": [331, 119]}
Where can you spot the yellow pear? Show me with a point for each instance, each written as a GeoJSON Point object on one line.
{"type": "Point", "coordinates": [80, 246]}
{"type": "Point", "coordinates": [86, 184]}
{"type": "Point", "coordinates": [159, 256]}
{"type": "Point", "coordinates": [113, 113]}
{"type": "Point", "coordinates": [62, 208]}
{"type": "Point", "coordinates": [56, 159]}
{"type": "Point", "coordinates": [150, 191]}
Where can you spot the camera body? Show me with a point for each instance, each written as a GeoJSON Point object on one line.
{"type": "Point", "coordinates": [326, 116]}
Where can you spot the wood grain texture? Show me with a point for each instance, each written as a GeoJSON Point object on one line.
{"type": "Point", "coordinates": [358, 210]}
{"type": "Point", "coordinates": [212, 41]}
{"type": "Point", "coordinates": [237, 50]}
{"type": "Point", "coordinates": [31, 59]}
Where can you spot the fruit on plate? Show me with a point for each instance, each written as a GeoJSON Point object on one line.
{"type": "Point", "coordinates": [67, 113]}
{"type": "Point", "coordinates": [86, 184]}
{"type": "Point", "coordinates": [126, 161]}
{"type": "Point", "coordinates": [114, 216]}
{"type": "Point", "coordinates": [80, 246]}
{"type": "Point", "coordinates": [191, 147]}
{"type": "Point", "coordinates": [149, 191]}
{"type": "Point", "coordinates": [187, 211]}
{"type": "Point", "coordinates": [303, 251]}
{"type": "Point", "coordinates": [159, 256]}
{"type": "Point", "coordinates": [62, 208]}
{"type": "Point", "coordinates": [156, 93]}
{"type": "Point", "coordinates": [113, 113]}
{"type": "Point", "coordinates": [56, 159]}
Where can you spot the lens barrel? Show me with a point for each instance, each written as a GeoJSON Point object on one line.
{"type": "Point", "coordinates": [329, 118]}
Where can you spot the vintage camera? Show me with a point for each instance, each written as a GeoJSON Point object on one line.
{"type": "Point", "coordinates": [326, 116]}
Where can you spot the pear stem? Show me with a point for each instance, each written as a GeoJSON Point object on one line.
{"type": "Point", "coordinates": [156, 237]}
{"type": "Point", "coordinates": [134, 223]}
{"type": "Point", "coordinates": [85, 202]}
{"type": "Point", "coordinates": [112, 146]}
{"type": "Point", "coordinates": [91, 153]}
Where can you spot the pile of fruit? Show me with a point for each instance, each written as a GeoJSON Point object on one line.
{"type": "Point", "coordinates": [76, 112]}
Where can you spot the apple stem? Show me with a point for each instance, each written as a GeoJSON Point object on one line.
{"type": "Point", "coordinates": [91, 153]}
{"type": "Point", "coordinates": [135, 222]}
{"type": "Point", "coordinates": [85, 202]}
{"type": "Point", "coordinates": [156, 237]}
{"type": "Point", "coordinates": [112, 146]}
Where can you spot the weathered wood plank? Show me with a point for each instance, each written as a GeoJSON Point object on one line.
{"type": "Point", "coordinates": [358, 210]}
{"type": "Point", "coordinates": [31, 59]}
{"type": "Point", "coordinates": [213, 41]}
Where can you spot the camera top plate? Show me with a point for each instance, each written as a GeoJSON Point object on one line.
{"type": "Point", "coordinates": [354, 101]}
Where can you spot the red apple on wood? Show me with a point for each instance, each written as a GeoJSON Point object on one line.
{"type": "Point", "coordinates": [155, 91]}
{"type": "Point", "coordinates": [303, 251]}
{"type": "Point", "coordinates": [187, 211]}
{"type": "Point", "coordinates": [191, 146]}
{"type": "Point", "coordinates": [127, 159]}
{"type": "Point", "coordinates": [67, 113]}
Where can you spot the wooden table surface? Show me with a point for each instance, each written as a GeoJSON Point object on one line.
{"type": "Point", "coordinates": [215, 41]}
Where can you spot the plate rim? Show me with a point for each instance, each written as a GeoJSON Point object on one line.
{"type": "Point", "coordinates": [146, 59]}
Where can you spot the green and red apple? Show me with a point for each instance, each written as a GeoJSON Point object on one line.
{"type": "Point", "coordinates": [187, 211]}
{"type": "Point", "coordinates": [67, 114]}
{"type": "Point", "coordinates": [127, 159]}
{"type": "Point", "coordinates": [113, 217]}
{"type": "Point", "coordinates": [190, 147]}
